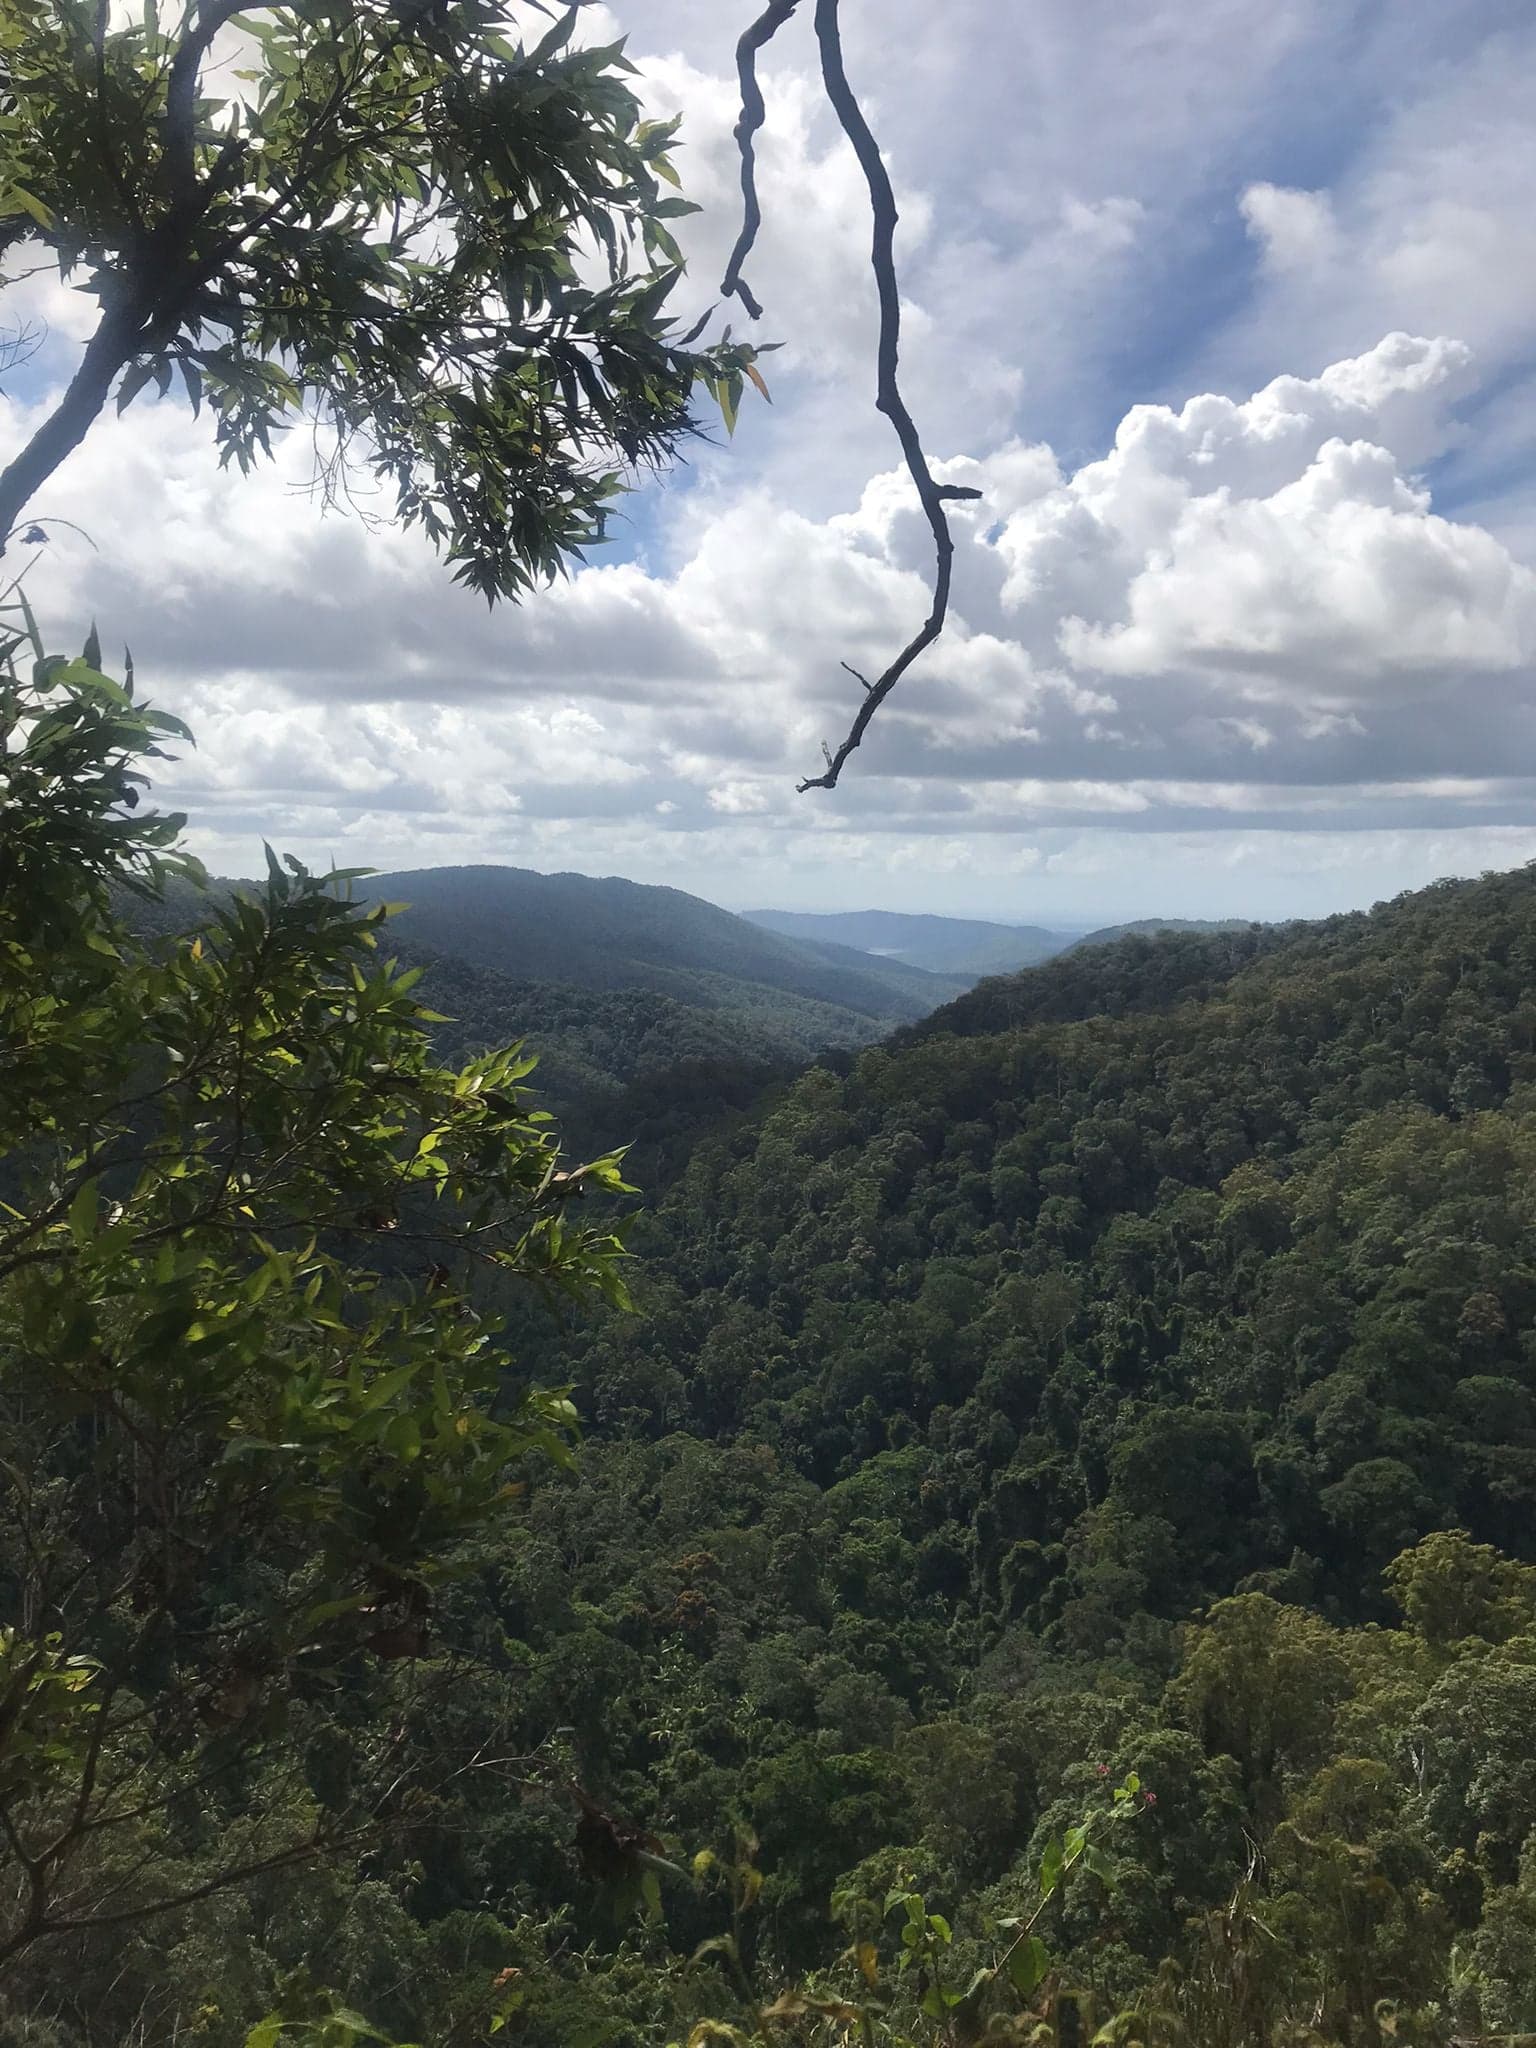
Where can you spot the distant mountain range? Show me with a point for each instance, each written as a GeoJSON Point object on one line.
{"type": "Point", "coordinates": [608, 934]}
{"type": "Point", "coordinates": [963, 946]}
{"type": "Point", "coordinates": [957, 946]}
{"type": "Point", "coordinates": [654, 1012]}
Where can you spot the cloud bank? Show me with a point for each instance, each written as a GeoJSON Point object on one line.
{"type": "Point", "coordinates": [1273, 634]}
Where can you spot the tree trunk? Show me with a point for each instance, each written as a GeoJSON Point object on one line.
{"type": "Point", "coordinates": [108, 349]}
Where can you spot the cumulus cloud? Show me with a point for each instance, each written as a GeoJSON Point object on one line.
{"type": "Point", "coordinates": [1429, 225]}
{"type": "Point", "coordinates": [1242, 607]}
{"type": "Point", "coordinates": [1253, 617]}
{"type": "Point", "coordinates": [1275, 546]}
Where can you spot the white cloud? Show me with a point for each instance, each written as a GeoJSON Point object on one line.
{"type": "Point", "coordinates": [1297, 230]}
{"type": "Point", "coordinates": [1341, 583]}
{"type": "Point", "coordinates": [1275, 546]}
{"type": "Point", "coordinates": [1233, 581]}
{"type": "Point", "coordinates": [1246, 610]}
{"type": "Point", "coordinates": [1430, 227]}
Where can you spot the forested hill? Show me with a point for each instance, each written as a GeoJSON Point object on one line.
{"type": "Point", "coordinates": [1253, 1200]}
{"type": "Point", "coordinates": [608, 933]}
{"type": "Point", "coordinates": [1114, 977]}
{"type": "Point", "coordinates": [1128, 1370]}
{"type": "Point", "coordinates": [986, 1363]}
{"type": "Point", "coordinates": [942, 945]}
{"type": "Point", "coordinates": [1154, 927]}
{"type": "Point", "coordinates": [653, 1014]}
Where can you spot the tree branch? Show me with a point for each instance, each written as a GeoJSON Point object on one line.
{"type": "Point", "coordinates": [72, 418]}
{"type": "Point", "coordinates": [753, 114]}
{"type": "Point", "coordinates": [110, 164]}
{"type": "Point", "coordinates": [235, 1874]}
{"type": "Point", "coordinates": [157, 285]}
{"type": "Point", "coordinates": [888, 398]}
{"type": "Point", "coordinates": [179, 128]}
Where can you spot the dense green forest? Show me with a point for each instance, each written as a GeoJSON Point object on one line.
{"type": "Point", "coordinates": [846, 1509]}
{"type": "Point", "coordinates": [611, 934]}
{"type": "Point", "coordinates": [1120, 1379]}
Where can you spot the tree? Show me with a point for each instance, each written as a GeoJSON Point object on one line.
{"type": "Point", "coordinates": [452, 246]}
{"type": "Point", "coordinates": [247, 1400]}
{"type": "Point", "coordinates": [1261, 1683]}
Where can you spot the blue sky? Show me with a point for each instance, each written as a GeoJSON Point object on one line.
{"type": "Point", "coordinates": [1268, 650]}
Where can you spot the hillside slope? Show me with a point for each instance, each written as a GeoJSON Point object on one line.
{"type": "Point", "coordinates": [1090, 1380]}
{"type": "Point", "coordinates": [1128, 1371]}
{"type": "Point", "coordinates": [610, 933]}
{"type": "Point", "coordinates": [1157, 1138]}
{"type": "Point", "coordinates": [1112, 977]}
{"type": "Point", "coordinates": [1154, 927]}
{"type": "Point", "coordinates": [940, 945]}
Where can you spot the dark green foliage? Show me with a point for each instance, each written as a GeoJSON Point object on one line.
{"type": "Point", "coordinates": [1121, 1379]}
{"type": "Point", "coordinates": [236, 1456]}
{"type": "Point", "coordinates": [1243, 1271]}
{"type": "Point", "coordinates": [613, 934]}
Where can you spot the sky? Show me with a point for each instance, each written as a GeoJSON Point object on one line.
{"type": "Point", "coordinates": [1228, 310]}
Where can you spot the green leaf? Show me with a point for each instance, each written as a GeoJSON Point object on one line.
{"type": "Point", "coordinates": [135, 377]}
{"type": "Point", "coordinates": [331, 1610]}
{"type": "Point", "coordinates": [384, 1389]}
{"type": "Point", "coordinates": [19, 200]}
{"type": "Point", "coordinates": [555, 41]}
{"type": "Point", "coordinates": [403, 1437]}
{"type": "Point", "coordinates": [1095, 1860]}
{"type": "Point", "coordinates": [83, 1212]}
{"type": "Point", "coordinates": [1027, 1965]}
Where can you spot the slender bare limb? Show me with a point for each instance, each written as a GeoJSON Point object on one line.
{"type": "Point", "coordinates": [753, 114]}
{"type": "Point", "coordinates": [888, 398]}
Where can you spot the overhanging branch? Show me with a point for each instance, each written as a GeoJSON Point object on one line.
{"type": "Point", "coordinates": [888, 398]}
{"type": "Point", "coordinates": [753, 114]}
{"type": "Point", "coordinates": [932, 495]}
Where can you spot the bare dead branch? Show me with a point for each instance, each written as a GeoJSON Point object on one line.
{"type": "Point", "coordinates": [753, 114]}
{"type": "Point", "coordinates": [309, 1851]}
{"type": "Point", "coordinates": [888, 398]}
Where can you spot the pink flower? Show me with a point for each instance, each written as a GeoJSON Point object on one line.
{"type": "Point", "coordinates": [1103, 1770]}
{"type": "Point", "coordinates": [1151, 1799]}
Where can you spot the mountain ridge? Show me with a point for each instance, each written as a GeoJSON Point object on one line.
{"type": "Point", "coordinates": [608, 933]}
{"type": "Point", "coordinates": [953, 945]}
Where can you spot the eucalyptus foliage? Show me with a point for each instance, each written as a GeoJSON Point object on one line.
{"type": "Point", "coordinates": [444, 241]}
